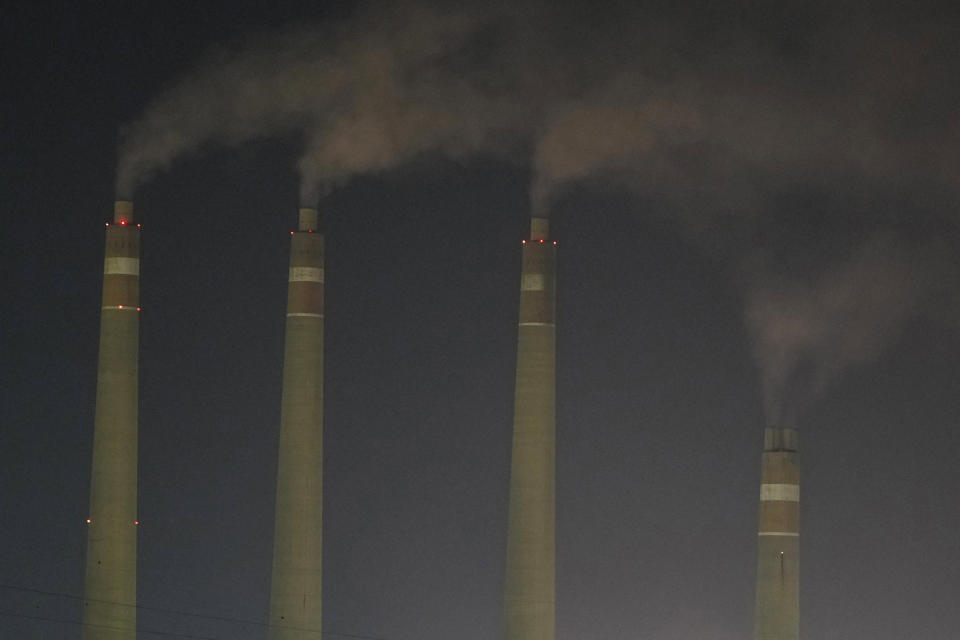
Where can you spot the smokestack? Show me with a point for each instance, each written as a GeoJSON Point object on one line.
{"type": "Point", "coordinates": [110, 581]}
{"type": "Point", "coordinates": [529, 603]}
{"type": "Point", "coordinates": [295, 593]}
{"type": "Point", "coordinates": [778, 542]}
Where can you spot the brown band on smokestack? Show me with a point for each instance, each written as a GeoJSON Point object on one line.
{"type": "Point", "coordinates": [778, 518]}
{"type": "Point", "coordinates": [780, 484]}
{"type": "Point", "coordinates": [306, 278]}
{"type": "Point", "coordinates": [775, 439]}
{"type": "Point", "coordinates": [121, 264]}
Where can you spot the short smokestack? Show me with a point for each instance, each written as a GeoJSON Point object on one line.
{"type": "Point", "coordinates": [295, 592]}
{"type": "Point", "coordinates": [110, 579]}
{"type": "Point", "coordinates": [529, 597]}
{"type": "Point", "coordinates": [777, 615]}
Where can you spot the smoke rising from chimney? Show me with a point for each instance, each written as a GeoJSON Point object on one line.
{"type": "Point", "coordinates": [712, 114]}
{"type": "Point", "coordinates": [365, 96]}
{"type": "Point", "coordinates": [807, 333]}
{"type": "Point", "coordinates": [591, 95]}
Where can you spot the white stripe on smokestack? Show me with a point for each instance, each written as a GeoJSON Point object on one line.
{"type": "Point", "coordinates": [791, 534]}
{"type": "Point", "coordinates": [121, 266]}
{"type": "Point", "coordinates": [296, 583]}
{"type": "Point", "coordinates": [306, 274]}
{"type": "Point", "coordinates": [780, 492]}
{"type": "Point", "coordinates": [532, 282]}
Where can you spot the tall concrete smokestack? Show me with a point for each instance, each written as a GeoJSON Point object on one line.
{"type": "Point", "coordinates": [295, 593]}
{"type": "Point", "coordinates": [110, 581]}
{"type": "Point", "coordinates": [529, 603]}
{"type": "Point", "coordinates": [778, 542]}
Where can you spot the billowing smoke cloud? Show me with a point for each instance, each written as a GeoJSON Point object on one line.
{"type": "Point", "coordinates": [806, 333]}
{"type": "Point", "coordinates": [677, 105]}
{"type": "Point", "coordinates": [365, 96]}
{"type": "Point", "coordinates": [713, 114]}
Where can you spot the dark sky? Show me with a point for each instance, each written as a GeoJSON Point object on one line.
{"type": "Point", "coordinates": [663, 304]}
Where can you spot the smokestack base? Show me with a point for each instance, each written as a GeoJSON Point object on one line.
{"type": "Point", "coordinates": [123, 211]}
{"type": "Point", "coordinates": [539, 228]}
{"type": "Point", "coordinates": [780, 439]}
{"type": "Point", "coordinates": [309, 219]}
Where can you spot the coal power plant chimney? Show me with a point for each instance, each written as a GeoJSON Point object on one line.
{"type": "Point", "coordinates": [110, 581]}
{"type": "Point", "coordinates": [778, 542]}
{"type": "Point", "coordinates": [529, 601]}
{"type": "Point", "coordinates": [295, 593]}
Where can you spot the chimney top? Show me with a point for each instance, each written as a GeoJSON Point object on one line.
{"type": "Point", "coordinates": [309, 219]}
{"type": "Point", "coordinates": [780, 439]}
{"type": "Point", "coordinates": [123, 211]}
{"type": "Point", "coordinates": [539, 228]}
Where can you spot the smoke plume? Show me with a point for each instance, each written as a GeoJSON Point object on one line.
{"type": "Point", "coordinates": [675, 105]}
{"type": "Point", "coordinates": [714, 114]}
{"type": "Point", "coordinates": [365, 96]}
{"type": "Point", "coordinates": [806, 333]}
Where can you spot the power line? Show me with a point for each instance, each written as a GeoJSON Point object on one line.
{"type": "Point", "coordinates": [190, 614]}
{"type": "Point", "coordinates": [166, 634]}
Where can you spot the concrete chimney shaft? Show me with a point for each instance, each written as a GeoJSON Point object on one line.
{"type": "Point", "coordinates": [529, 597]}
{"type": "Point", "coordinates": [295, 592]}
{"type": "Point", "coordinates": [110, 578]}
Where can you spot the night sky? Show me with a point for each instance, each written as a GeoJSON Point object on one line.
{"type": "Point", "coordinates": [772, 238]}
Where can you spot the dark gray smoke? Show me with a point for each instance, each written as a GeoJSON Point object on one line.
{"type": "Point", "coordinates": [714, 113]}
